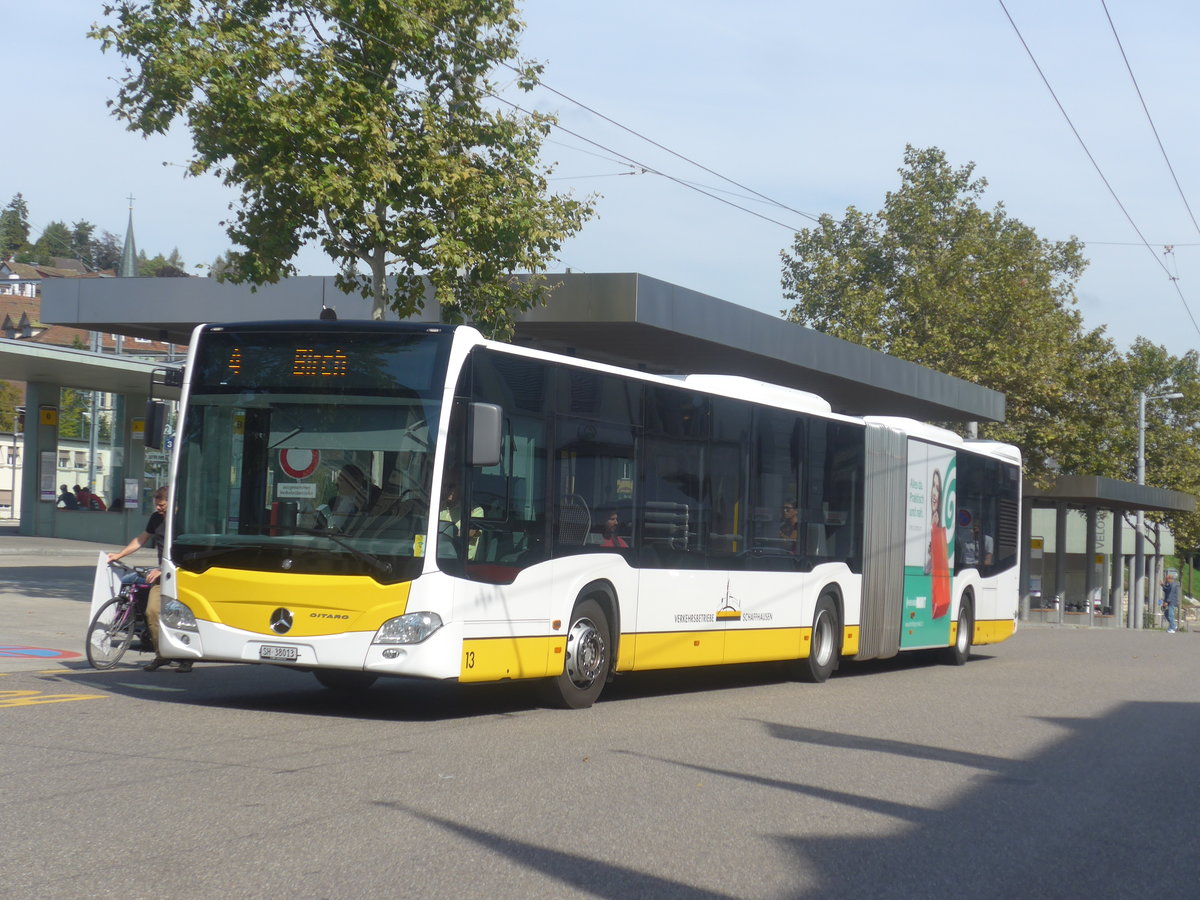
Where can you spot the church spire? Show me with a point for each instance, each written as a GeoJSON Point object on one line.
{"type": "Point", "coordinates": [129, 258]}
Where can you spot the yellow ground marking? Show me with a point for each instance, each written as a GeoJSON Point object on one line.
{"type": "Point", "coordinates": [34, 698]}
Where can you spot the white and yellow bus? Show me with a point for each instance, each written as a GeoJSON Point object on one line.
{"type": "Point", "coordinates": [365, 499]}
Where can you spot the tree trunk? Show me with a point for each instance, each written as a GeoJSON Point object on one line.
{"type": "Point", "coordinates": [378, 284]}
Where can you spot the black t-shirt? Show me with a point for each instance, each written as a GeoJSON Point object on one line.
{"type": "Point", "coordinates": [156, 527]}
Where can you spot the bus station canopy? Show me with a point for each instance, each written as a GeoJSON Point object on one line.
{"type": "Point", "coordinates": [33, 363]}
{"type": "Point", "coordinates": [1108, 493]}
{"type": "Point", "coordinates": [626, 319]}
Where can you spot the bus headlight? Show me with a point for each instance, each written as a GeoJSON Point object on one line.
{"type": "Point", "coordinates": [410, 629]}
{"type": "Point", "coordinates": [177, 615]}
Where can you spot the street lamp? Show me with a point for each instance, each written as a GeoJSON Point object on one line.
{"type": "Point", "coordinates": [1139, 552]}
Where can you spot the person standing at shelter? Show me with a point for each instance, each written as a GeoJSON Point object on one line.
{"type": "Point", "coordinates": [1170, 601]}
{"type": "Point", "coordinates": [66, 500]}
{"type": "Point", "coordinates": [154, 533]}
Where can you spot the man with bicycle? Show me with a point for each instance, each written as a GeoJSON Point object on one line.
{"type": "Point", "coordinates": [154, 532]}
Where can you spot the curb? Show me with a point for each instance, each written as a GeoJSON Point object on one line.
{"type": "Point", "coordinates": [13, 544]}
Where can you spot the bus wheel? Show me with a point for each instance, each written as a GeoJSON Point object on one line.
{"type": "Point", "coordinates": [587, 659]}
{"type": "Point", "coordinates": [344, 680]}
{"type": "Point", "coordinates": [960, 651]}
{"type": "Point", "coordinates": [824, 645]}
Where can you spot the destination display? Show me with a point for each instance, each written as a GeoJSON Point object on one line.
{"type": "Point", "coordinates": [321, 362]}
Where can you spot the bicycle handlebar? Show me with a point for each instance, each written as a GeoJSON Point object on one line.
{"type": "Point", "coordinates": [140, 570]}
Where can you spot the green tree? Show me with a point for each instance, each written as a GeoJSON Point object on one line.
{"type": "Point", "coordinates": [368, 127]}
{"type": "Point", "coordinates": [224, 267]}
{"type": "Point", "coordinates": [936, 279]}
{"type": "Point", "coordinates": [56, 240]}
{"type": "Point", "coordinates": [72, 404]}
{"type": "Point", "coordinates": [162, 266]}
{"type": "Point", "coordinates": [10, 399]}
{"type": "Point", "coordinates": [106, 252]}
{"type": "Point", "coordinates": [81, 241]}
{"type": "Point", "coordinates": [1172, 443]}
{"type": "Point", "coordinates": [14, 227]}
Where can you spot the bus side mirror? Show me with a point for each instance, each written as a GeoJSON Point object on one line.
{"type": "Point", "coordinates": [156, 419]}
{"type": "Point", "coordinates": [484, 434]}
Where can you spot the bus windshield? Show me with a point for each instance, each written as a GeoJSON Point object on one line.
{"type": "Point", "coordinates": [309, 452]}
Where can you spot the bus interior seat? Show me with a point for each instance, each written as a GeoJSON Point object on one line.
{"type": "Point", "coordinates": [574, 520]}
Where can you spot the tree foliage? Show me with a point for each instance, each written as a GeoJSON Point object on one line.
{"type": "Point", "coordinates": [106, 252]}
{"type": "Point", "coordinates": [936, 279]}
{"type": "Point", "coordinates": [362, 125]}
{"type": "Point", "coordinates": [73, 408]}
{"type": "Point", "coordinates": [82, 241]}
{"type": "Point", "coordinates": [161, 266]}
{"type": "Point", "coordinates": [78, 241]}
{"type": "Point", "coordinates": [10, 399]}
{"type": "Point", "coordinates": [224, 267]}
{"type": "Point", "coordinates": [56, 240]}
{"type": "Point", "coordinates": [1172, 447]}
{"type": "Point", "coordinates": [14, 227]}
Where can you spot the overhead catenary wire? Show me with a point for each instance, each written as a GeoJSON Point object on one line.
{"type": "Point", "coordinates": [1149, 118]}
{"type": "Point", "coordinates": [595, 112]}
{"type": "Point", "coordinates": [1087, 152]}
{"type": "Point", "coordinates": [624, 157]}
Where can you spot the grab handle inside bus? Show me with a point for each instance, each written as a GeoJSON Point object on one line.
{"type": "Point", "coordinates": [484, 438]}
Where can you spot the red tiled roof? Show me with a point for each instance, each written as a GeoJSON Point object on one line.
{"type": "Point", "coordinates": [31, 272]}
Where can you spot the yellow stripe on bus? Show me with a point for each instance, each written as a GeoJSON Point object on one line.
{"type": "Point", "coordinates": [320, 604]}
{"type": "Point", "coordinates": [497, 659]}
{"type": "Point", "coordinates": [993, 631]}
{"type": "Point", "coordinates": [680, 649]}
{"type": "Point", "coordinates": [762, 644]}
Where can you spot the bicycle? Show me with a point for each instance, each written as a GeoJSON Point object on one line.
{"type": "Point", "coordinates": [121, 619]}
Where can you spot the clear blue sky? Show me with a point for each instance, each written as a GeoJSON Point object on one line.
{"type": "Point", "coordinates": [807, 102]}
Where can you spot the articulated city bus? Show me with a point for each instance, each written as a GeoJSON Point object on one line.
{"type": "Point", "coordinates": [363, 499]}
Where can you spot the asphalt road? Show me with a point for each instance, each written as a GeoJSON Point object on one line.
{"type": "Point", "coordinates": [1058, 764]}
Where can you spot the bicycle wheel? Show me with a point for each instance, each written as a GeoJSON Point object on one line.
{"type": "Point", "coordinates": [110, 633]}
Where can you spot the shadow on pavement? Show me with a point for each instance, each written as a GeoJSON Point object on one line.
{"type": "Point", "coordinates": [52, 583]}
{"type": "Point", "coordinates": [295, 691]}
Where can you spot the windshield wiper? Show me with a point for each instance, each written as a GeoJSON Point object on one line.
{"type": "Point", "coordinates": [287, 437]}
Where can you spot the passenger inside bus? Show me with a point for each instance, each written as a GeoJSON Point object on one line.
{"type": "Point", "coordinates": [353, 494]}
{"type": "Point", "coordinates": [610, 525]}
{"type": "Point", "coordinates": [450, 525]}
{"type": "Point", "coordinates": [789, 528]}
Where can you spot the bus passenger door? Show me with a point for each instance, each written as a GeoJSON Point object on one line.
{"type": "Point", "coordinates": [680, 613]}
{"type": "Point", "coordinates": [928, 546]}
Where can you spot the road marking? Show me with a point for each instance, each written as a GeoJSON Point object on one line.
{"type": "Point", "coordinates": [34, 698]}
{"type": "Point", "coordinates": [20, 651]}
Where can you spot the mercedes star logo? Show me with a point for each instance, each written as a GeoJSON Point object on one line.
{"type": "Point", "coordinates": [281, 621]}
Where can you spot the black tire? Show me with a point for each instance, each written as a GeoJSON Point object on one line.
{"type": "Point", "coordinates": [110, 633]}
{"type": "Point", "coordinates": [587, 659]}
{"type": "Point", "coordinates": [825, 644]}
{"type": "Point", "coordinates": [344, 680]}
{"type": "Point", "coordinates": [960, 651]}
